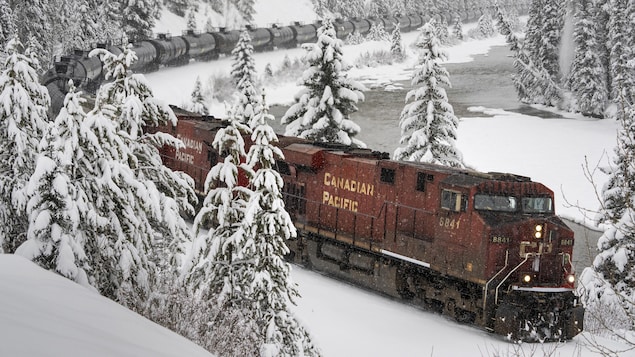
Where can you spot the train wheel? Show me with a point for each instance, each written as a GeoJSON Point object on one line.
{"type": "Point", "coordinates": [402, 284]}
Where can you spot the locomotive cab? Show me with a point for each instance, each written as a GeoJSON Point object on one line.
{"type": "Point", "coordinates": [532, 282]}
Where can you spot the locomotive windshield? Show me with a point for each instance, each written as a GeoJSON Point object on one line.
{"type": "Point", "coordinates": [495, 203]}
{"type": "Point", "coordinates": [537, 204]}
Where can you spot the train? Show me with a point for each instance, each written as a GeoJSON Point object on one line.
{"type": "Point", "coordinates": [484, 248]}
{"type": "Point", "coordinates": [166, 50]}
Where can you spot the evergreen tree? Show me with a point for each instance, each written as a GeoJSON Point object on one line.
{"type": "Point", "coordinates": [610, 283]}
{"type": "Point", "coordinates": [550, 34]}
{"type": "Point", "coordinates": [485, 27]}
{"type": "Point", "coordinates": [587, 77]}
{"type": "Point", "coordinates": [396, 48]}
{"type": "Point", "coordinates": [216, 268]}
{"type": "Point", "coordinates": [377, 32]}
{"type": "Point", "coordinates": [159, 194]}
{"type": "Point", "coordinates": [57, 204]}
{"type": "Point", "coordinates": [209, 26]}
{"type": "Point", "coordinates": [138, 18]}
{"type": "Point", "coordinates": [197, 104]}
{"type": "Point", "coordinates": [621, 50]}
{"type": "Point", "coordinates": [244, 73]}
{"type": "Point", "coordinates": [268, 72]}
{"type": "Point", "coordinates": [191, 19]}
{"type": "Point", "coordinates": [109, 18]}
{"type": "Point", "coordinates": [246, 9]}
{"type": "Point", "coordinates": [7, 25]}
{"type": "Point", "coordinates": [428, 124]}
{"type": "Point", "coordinates": [269, 225]}
{"type": "Point", "coordinates": [532, 81]}
{"type": "Point", "coordinates": [23, 116]}
{"type": "Point", "coordinates": [179, 7]}
{"type": "Point", "coordinates": [322, 108]}
{"type": "Point", "coordinates": [34, 21]}
{"type": "Point", "coordinates": [458, 29]}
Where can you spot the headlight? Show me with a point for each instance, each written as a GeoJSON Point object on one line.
{"type": "Point", "coordinates": [538, 231]}
{"type": "Point", "coordinates": [527, 278]}
{"type": "Point", "coordinates": [570, 278]}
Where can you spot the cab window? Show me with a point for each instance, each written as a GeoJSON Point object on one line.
{"type": "Point", "coordinates": [537, 204]}
{"type": "Point", "coordinates": [453, 201]}
{"type": "Point", "coordinates": [495, 203]}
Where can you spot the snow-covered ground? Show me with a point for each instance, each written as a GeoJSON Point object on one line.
{"type": "Point", "coordinates": [45, 315]}
{"type": "Point", "coordinates": [42, 314]}
{"type": "Point", "coordinates": [348, 321]}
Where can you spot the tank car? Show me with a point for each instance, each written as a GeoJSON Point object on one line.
{"type": "Point", "coordinates": [282, 37]}
{"type": "Point", "coordinates": [261, 38]}
{"type": "Point", "coordinates": [361, 26]}
{"type": "Point", "coordinates": [303, 33]}
{"type": "Point", "coordinates": [226, 40]}
{"type": "Point", "coordinates": [171, 51]}
{"type": "Point", "coordinates": [404, 23]}
{"type": "Point", "coordinates": [389, 23]}
{"type": "Point", "coordinates": [200, 46]}
{"type": "Point", "coordinates": [343, 28]}
{"type": "Point", "coordinates": [483, 248]}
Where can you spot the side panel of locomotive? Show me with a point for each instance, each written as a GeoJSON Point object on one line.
{"type": "Point", "coordinates": [484, 248]}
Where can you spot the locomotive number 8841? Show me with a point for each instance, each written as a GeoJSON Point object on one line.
{"type": "Point", "coordinates": [483, 248]}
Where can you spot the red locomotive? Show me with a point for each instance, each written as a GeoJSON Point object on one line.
{"type": "Point", "coordinates": [484, 248]}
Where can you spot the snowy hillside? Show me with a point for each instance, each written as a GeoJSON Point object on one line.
{"type": "Point", "coordinates": [43, 314]}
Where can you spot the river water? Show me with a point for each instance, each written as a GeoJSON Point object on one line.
{"type": "Point", "coordinates": [485, 81]}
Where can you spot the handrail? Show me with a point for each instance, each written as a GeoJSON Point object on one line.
{"type": "Point", "coordinates": [510, 273]}
{"type": "Point", "coordinates": [492, 279]}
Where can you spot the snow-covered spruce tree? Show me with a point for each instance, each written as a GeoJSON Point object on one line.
{"type": "Point", "coordinates": [246, 9]}
{"type": "Point", "coordinates": [621, 46]}
{"type": "Point", "coordinates": [108, 17]}
{"type": "Point", "coordinates": [485, 27]}
{"type": "Point", "coordinates": [608, 287]}
{"type": "Point", "coordinates": [197, 102]}
{"type": "Point", "coordinates": [57, 204]}
{"type": "Point", "coordinates": [33, 20]}
{"type": "Point", "coordinates": [157, 228]}
{"type": "Point", "coordinates": [7, 25]}
{"type": "Point", "coordinates": [396, 47]}
{"type": "Point", "coordinates": [179, 7]}
{"type": "Point", "coordinates": [587, 76]}
{"type": "Point", "coordinates": [550, 34]}
{"type": "Point", "coordinates": [428, 124]}
{"type": "Point", "coordinates": [458, 29]}
{"type": "Point", "coordinates": [191, 19]}
{"type": "Point", "coordinates": [23, 116]}
{"type": "Point", "coordinates": [244, 74]}
{"type": "Point", "coordinates": [532, 81]}
{"type": "Point", "coordinates": [377, 32]}
{"type": "Point", "coordinates": [216, 271]}
{"type": "Point", "coordinates": [138, 18]}
{"type": "Point", "coordinates": [322, 108]}
{"type": "Point", "coordinates": [272, 291]}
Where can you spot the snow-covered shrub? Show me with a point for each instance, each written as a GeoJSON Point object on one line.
{"type": "Point", "coordinates": [375, 58]}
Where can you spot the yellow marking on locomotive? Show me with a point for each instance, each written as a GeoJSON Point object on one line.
{"type": "Point", "coordinates": [339, 202]}
{"type": "Point", "coordinates": [348, 184]}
